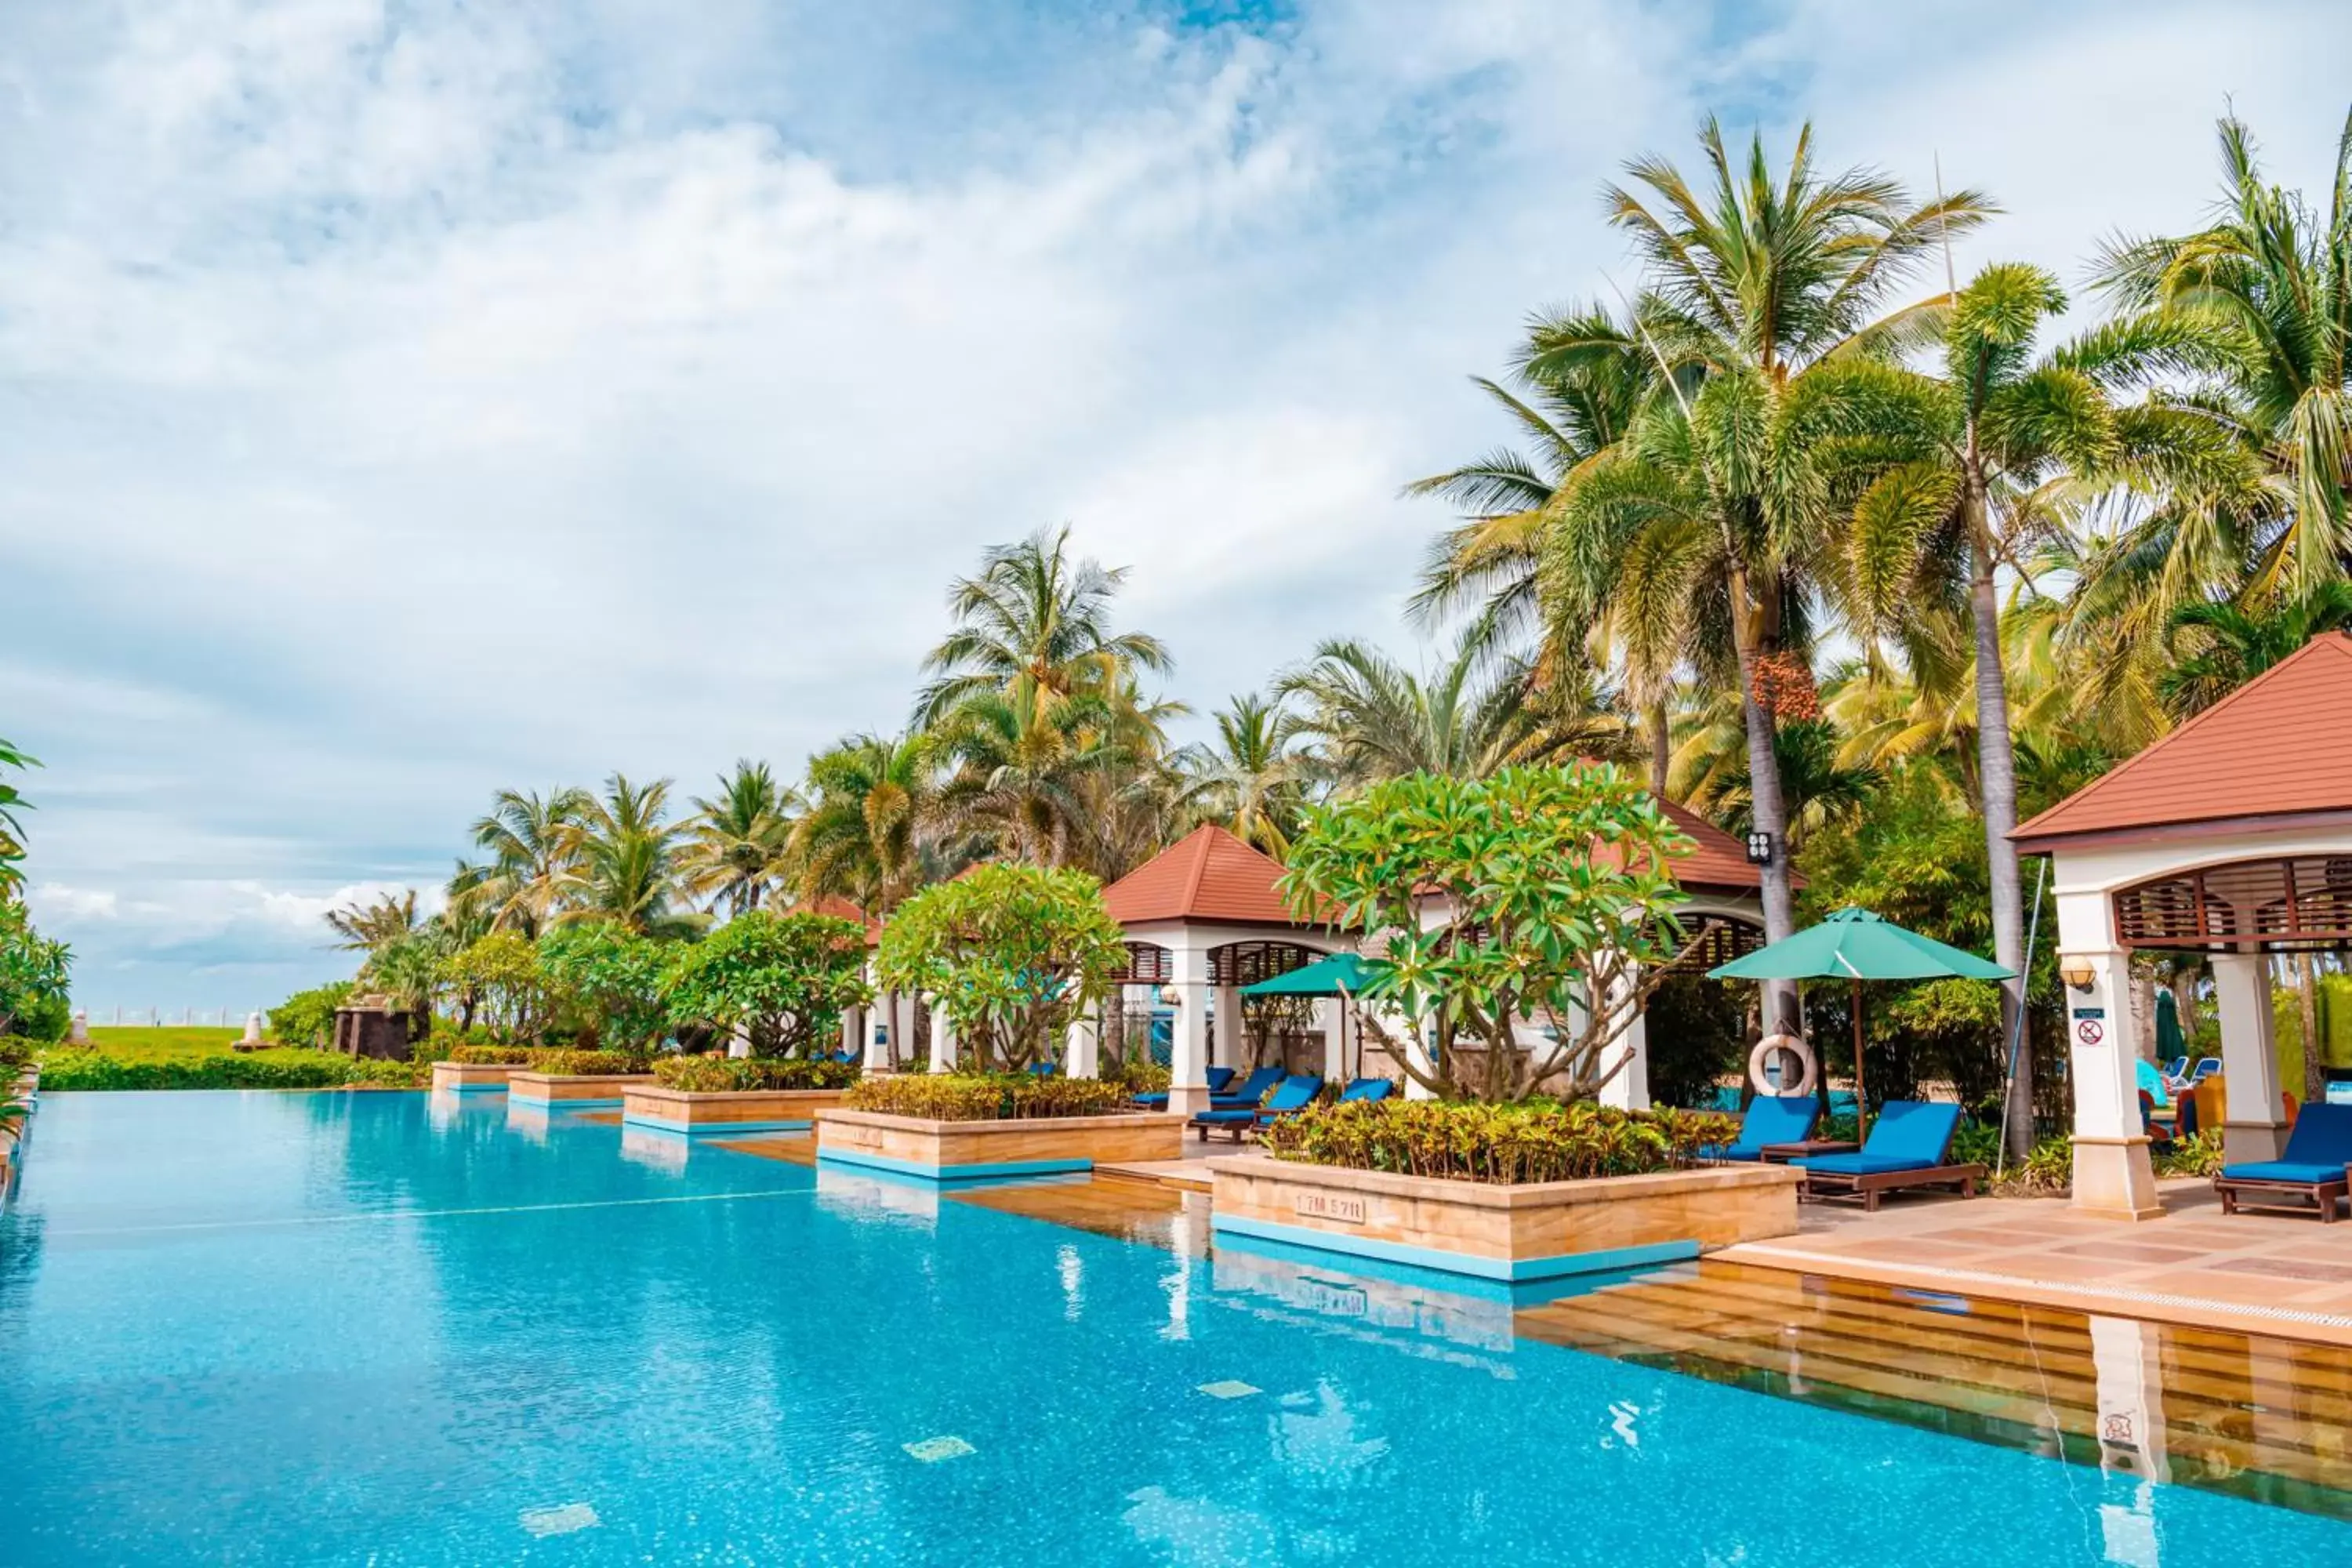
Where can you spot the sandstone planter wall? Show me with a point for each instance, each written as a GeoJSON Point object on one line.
{"type": "Point", "coordinates": [468, 1076]}
{"type": "Point", "coordinates": [1518, 1233]}
{"type": "Point", "coordinates": [732, 1110]}
{"type": "Point", "coordinates": [916, 1147]}
{"type": "Point", "coordinates": [570, 1090]}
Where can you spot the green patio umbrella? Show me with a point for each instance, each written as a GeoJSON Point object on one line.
{"type": "Point", "coordinates": [1343, 975]}
{"type": "Point", "coordinates": [1855, 945]}
{"type": "Point", "coordinates": [2169, 1041]}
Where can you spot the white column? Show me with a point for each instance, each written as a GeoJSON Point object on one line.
{"type": "Point", "coordinates": [2126, 1355]}
{"type": "Point", "coordinates": [872, 1028]}
{"type": "Point", "coordinates": [1081, 1056]}
{"type": "Point", "coordinates": [1416, 1051]}
{"type": "Point", "coordinates": [1232, 1043]}
{"type": "Point", "coordinates": [902, 1022]}
{"type": "Point", "coordinates": [1188, 1087]}
{"type": "Point", "coordinates": [944, 1050]}
{"type": "Point", "coordinates": [849, 1041]}
{"type": "Point", "coordinates": [1629, 1090]}
{"type": "Point", "coordinates": [2114, 1177]}
{"type": "Point", "coordinates": [2253, 1118]}
{"type": "Point", "coordinates": [1334, 1039]}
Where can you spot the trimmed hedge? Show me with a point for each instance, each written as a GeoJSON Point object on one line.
{"type": "Point", "coordinates": [492, 1056]}
{"type": "Point", "coordinates": [584, 1064]}
{"type": "Point", "coordinates": [284, 1069]}
{"type": "Point", "coordinates": [1534, 1141]}
{"type": "Point", "coordinates": [986, 1097]}
{"type": "Point", "coordinates": [720, 1075]}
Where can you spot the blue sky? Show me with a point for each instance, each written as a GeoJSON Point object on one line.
{"type": "Point", "coordinates": [402, 401]}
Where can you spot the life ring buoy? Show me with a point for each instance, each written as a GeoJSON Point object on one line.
{"type": "Point", "coordinates": [1793, 1045]}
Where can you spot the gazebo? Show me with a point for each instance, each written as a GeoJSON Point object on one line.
{"type": "Point", "coordinates": [2231, 836]}
{"type": "Point", "coordinates": [1203, 917]}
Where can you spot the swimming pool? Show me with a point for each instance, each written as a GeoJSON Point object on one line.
{"type": "Point", "coordinates": [373, 1329]}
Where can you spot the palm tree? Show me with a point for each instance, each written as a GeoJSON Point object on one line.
{"type": "Point", "coordinates": [1370, 718]}
{"type": "Point", "coordinates": [627, 856]}
{"type": "Point", "coordinates": [1252, 778]}
{"type": "Point", "coordinates": [1722, 498]}
{"type": "Point", "coordinates": [874, 798]}
{"type": "Point", "coordinates": [2234, 643]}
{"type": "Point", "coordinates": [1033, 614]}
{"type": "Point", "coordinates": [12, 832]}
{"type": "Point", "coordinates": [372, 927]}
{"type": "Point", "coordinates": [2258, 306]}
{"type": "Point", "coordinates": [533, 846]}
{"type": "Point", "coordinates": [737, 843]}
{"type": "Point", "coordinates": [1020, 757]}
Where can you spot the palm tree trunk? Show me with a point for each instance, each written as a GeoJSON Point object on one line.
{"type": "Point", "coordinates": [1997, 771]}
{"type": "Point", "coordinates": [1766, 809]}
{"type": "Point", "coordinates": [2315, 1076]}
{"type": "Point", "coordinates": [1661, 749]}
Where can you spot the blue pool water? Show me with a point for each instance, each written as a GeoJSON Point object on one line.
{"type": "Point", "coordinates": [363, 1329]}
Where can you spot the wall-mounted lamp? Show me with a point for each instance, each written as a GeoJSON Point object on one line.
{"type": "Point", "coordinates": [2076, 972]}
{"type": "Point", "coordinates": [1759, 850]}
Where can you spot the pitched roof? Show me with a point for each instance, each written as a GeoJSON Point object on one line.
{"type": "Point", "coordinates": [1716, 859]}
{"type": "Point", "coordinates": [2280, 745]}
{"type": "Point", "coordinates": [841, 909]}
{"type": "Point", "coordinates": [1207, 875]}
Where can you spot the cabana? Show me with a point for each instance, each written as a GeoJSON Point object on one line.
{"type": "Point", "coordinates": [2231, 836]}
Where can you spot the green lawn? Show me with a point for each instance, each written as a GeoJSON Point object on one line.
{"type": "Point", "coordinates": [135, 1043]}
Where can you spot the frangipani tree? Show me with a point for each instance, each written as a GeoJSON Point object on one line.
{"type": "Point", "coordinates": [782, 979]}
{"type": "Point", "coordinates": [1013, 954]}
{"type": "Point", "coordinates": [1563, 905]}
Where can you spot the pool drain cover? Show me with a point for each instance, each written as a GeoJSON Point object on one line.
{"type": "Point", "coordinates": [572, 1516]}
{"type": "Point", "coordinates": [931, 1451]}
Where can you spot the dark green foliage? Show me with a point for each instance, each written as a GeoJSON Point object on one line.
{"type": "Point", "coordinates": [1698, 1035]}
{"type": "Point", "coordinates": [1530, 1141]}
{"type": "Point", "coordinates": [307, 1017]}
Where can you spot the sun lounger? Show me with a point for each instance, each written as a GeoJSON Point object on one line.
{"type": "Point", "coordinates": [2311, 1167]}
{"type": "Point", "coordinates": [2177, 1068]}
{"type": "Point", "coordinates": [1292, 1094]}
{"type": "Point", "coordinates": [1368, 1089]}
{"type": "Point", "coordinates": [1249, 1092]}
{"type": "Point", "coordinates": [1771, 1119]}
{"type": "Point", "coordinates": [1157, 1098]}
{"type": "Point", "coordinates": [2206, 1068]}
{"type": "Point", "coordinates": [1907, 1148]}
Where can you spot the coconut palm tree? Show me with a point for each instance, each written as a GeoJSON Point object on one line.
{"type": "Point", "coordinates": [1251, 779]}
{"type": "Point", "coordinates": [1033, 614]}
{"type": "Point", "coordinates": [2217, 647]}
{"type": "Point", "coordinates": [387, 920]}
{"type": "Point", "coordinates": [1020, 759]}
{"type": "Point", "coordinates": [2257, 309]}
{"type": "Point", "coordinates": [1370, 718]}
{"type": "Point", "coordinates": [625, 856]}
{"type": "Point", "coordinates": [874, 798]}
{"type": "Point", "coordinates": [737, 843]}
{"type": "Point", "coordinates": [11, 831]}
{"type": "Point", "coordinates": [533, 846]}
{"type": "Point", "coordinates": [1722, 495]}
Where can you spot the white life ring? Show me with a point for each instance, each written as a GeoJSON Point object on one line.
{"type": "Point", "coordinates": [1765, 1048]}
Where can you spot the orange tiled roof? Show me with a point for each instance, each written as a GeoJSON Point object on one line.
{"type": "Point", "coordinates": [1207, 875]}
{"type": "Point", "coordinates": [1717, 859]}
{"type": "Point", "coordinates": [2280, 745]}
{"type": "Point", "coordinates": [841, 909]}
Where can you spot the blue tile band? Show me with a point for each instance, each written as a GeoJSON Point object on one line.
{"type": "Point", "coordinates": [704, 1129]}
{"type": "Point", "coordinates": [953, 1172]}
{"type": "Point", "coordinates": [1511, 1269]}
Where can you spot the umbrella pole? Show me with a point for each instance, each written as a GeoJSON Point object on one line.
{"type": "Point", "coordinates": [1859, 1103]}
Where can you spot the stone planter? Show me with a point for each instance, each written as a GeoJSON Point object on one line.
{"type": "Point", "coordinates": [1037, 1146]}
{"type": "Point", "coordinates": [1540, 1231]}
{"type": "Point", "coordinates": [730, 1110]}
{"type": "Point", "coordinates": [572, 1091]}
{"type": "Point", "coordinates": [462, 1078]}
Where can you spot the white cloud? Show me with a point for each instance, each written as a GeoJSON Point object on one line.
{"type": "Point", "coordinates": [408, 402]}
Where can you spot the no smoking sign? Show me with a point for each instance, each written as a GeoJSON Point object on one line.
{"type": "Point", "coordinates": [2090, 1031]}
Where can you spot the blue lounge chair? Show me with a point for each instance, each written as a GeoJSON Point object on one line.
{"type": "Point", "coordinates": [2177, 1068]}
{"type": "Point", "coordinates": [1907, 1148]}
{"type": "Point", "coordinates": [1368, 1090]}
{"type": "Point", "coordinates": [2311, 1167]}
{"type": "Point", "coordinates": [1772, 1118]}
{"type": "Point", "coordinates": [2206, 1068]}
{"type": "Point", "coordinates": [1251, 1091]}
{"type": "Point", "coordinates": [1292, 1094]}
{"type": "Point", "coordinates": [1157, 1098]}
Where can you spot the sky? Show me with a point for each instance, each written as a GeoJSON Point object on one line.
{"type": "Point", "coordinates": [402, 401]}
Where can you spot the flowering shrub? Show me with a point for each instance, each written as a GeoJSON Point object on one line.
{"type": "Point", "coordinates": [720, 1075]}
{"type": "Point", "coordinates": [580, 1064]}
{"type": "Point", "coordinates": [986, 1097]}
{"type": "Point", "coordinates": [1499, 1144]}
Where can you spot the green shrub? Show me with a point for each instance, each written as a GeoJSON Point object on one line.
{"type": "Point", "coordinates": [307, 1017]}
{"type": "Point", "coordinates": [585, 1063]}
{"type": "Point", "coordinates": [491, 1055]}
{"type": "Point", "coordinates": [986, 1097]}
{"type": "Point", "coordinates": [18, 1052]}
{"type": "Point", "coordinates": [256, 1069]}
{"type": "Point", "coordinates": [372, 1072]}
{"type": "Point", "coordinates": [2200, 1155]}
{"type": "Point", "coordinates": [2048, 1171]}
{"type": "Point", "coordinates": [1500, 1143]}
{"type": "Point", "coordinates": [1141, 1076]}
{"type": "Point", "coordinates": [717, 1074]}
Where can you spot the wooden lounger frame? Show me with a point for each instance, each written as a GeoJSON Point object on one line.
{"type": "Point", "coordinates": [1870, 1185]}
{"type": "Point", "coordinates": [2322, 1194]}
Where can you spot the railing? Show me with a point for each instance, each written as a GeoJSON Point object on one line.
{"type": "Point", "coordinates": [170, 1017]}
